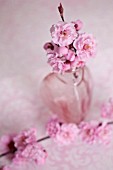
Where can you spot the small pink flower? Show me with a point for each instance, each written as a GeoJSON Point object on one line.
{"type": "Point", "coordinates": [31, 152]}
{"type": "Point", "coordinates": [67, 134]}
{"type": "Point", "coordinates": [78, 24]}
{"type": "Point", "coordinates": [70, 60]}
{"type": "Point", "coordinates": [56, 63]}
{"type": "Point", "coordinates": [70, 56]}
{"type": "Point", "coordinates": [63, 33]}
{"type": "Point", "coordinates": [24, 138]}
{"type": "Point", "coordinates": [61, 63]}
{"type": "Point", "coordinates": [94, 131]}
{"type": "Point", "coordinates": [53, 127]}
{"type": "Point", "coordinates": [88, 131]}
{"type": "Point", "coordinates": [85, 45]}
{"type": "Point", "coordinates": [107, 109]}
{"type": "Point", "coordinates": [104, 133]}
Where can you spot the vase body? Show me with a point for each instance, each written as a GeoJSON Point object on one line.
{"type": "Point", "coordinates": [68, 95]}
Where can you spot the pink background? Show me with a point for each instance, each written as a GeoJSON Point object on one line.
{"type": "Point", "coordinates": [24, 27]}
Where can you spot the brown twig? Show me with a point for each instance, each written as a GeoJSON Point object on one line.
{"type": "Point", "coordinates": [61, 11]}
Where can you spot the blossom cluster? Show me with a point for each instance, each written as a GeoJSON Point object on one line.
{"type": "Point", "coordinates": [25, 146]}
{"type": "Point", "coordinates": [68, 48]}
{"type": "Point", "coordinates": [90, 132]}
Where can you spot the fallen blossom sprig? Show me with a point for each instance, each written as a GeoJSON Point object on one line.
{"type": "Point", "coordinates": [26, 147]}
{"type": "Point", "coordinates": [69, 49]}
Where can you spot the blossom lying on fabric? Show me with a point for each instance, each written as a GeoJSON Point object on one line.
{"type": "Point", "coordinates": [24, 147]}
{"type": "Point", "coordinates": [107, 109]}
{"type": "Point", "coordinates": [93, 132]}
{"type": "Point", "coordinates": [104, 133]}
{"type": "Point", "coordinates": [87, 131]}
{"type": "Point", "coordinates": [63, 134]}
{"type": "Point", "coordinates": [31, 152]}
{"type": "Point", "coordinates": [24, 138]}
{"type": "Point", "coordinates": [63, 33]}
{"type": "Point", "coordinates": [53, 127]}
{"type": "Point", "coordinates": [67, 134]}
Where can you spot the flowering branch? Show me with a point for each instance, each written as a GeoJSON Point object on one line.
{"type": "Point", "coordinates": [69, 49]}
{"type": "Point", "coordinates": [25, 146]}
{"type": "Point", "coordinates": [14, 149]}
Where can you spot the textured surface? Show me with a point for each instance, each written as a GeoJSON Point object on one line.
{"type": "Point", "coordinates": [24, 27]}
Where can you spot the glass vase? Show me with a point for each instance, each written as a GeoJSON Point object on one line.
{"type": "Point", "coordinates": [68, 95]}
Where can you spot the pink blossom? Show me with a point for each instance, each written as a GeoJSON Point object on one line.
{"type": "Point", "coordinates": [53, 127]}
{"type": "Point", "coordinates": [85, 45]}
{"type": "Point", "coordinates": [24, 138]}
{"type": "Point", "coordinates": [62, 51]}
{"type": "Point", "coordinates": [63, 33]}
{"type": "Point", "coordinates": [107, 109]}
{"type": "Point", "coordinates": [67, 134]}
{"type": "Point", "coordinates": [78, 24]}
{"type": "Point", "coordinates": [70, 60]}
{"type": "Point", "coordinates": [70, 56]}
{"type": "Point", "coordinates": [94, 131]}
{"type": "Point", "coordinates": [88, 131]}
{"type": "Point", "coordinates": [104, 133]}
{"type": "Point", "coordinates": [32, 152]}
{"type": "Point", "coordinates": [62, 63]}
{"type": "Point", "coordinates": [56, 63]}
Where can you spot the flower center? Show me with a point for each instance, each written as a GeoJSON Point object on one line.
{"type": "Point", "coordinates": [86, 46]}
{"type": "Point", "coordinates": [11, 146]}
{"type": "Point", "coordinates": [89, 132]}
{"type": "Point", "coordinates": [64, 33]}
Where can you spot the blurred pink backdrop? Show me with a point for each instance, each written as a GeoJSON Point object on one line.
{"type": "Point", "coordinates": [24, 27]}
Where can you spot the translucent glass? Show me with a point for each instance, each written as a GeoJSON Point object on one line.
{"type": "Point", "coordinates": [68, 95]}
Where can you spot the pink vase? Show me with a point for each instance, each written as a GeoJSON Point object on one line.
{"type": "Point", "coordinates": [68, 95]}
